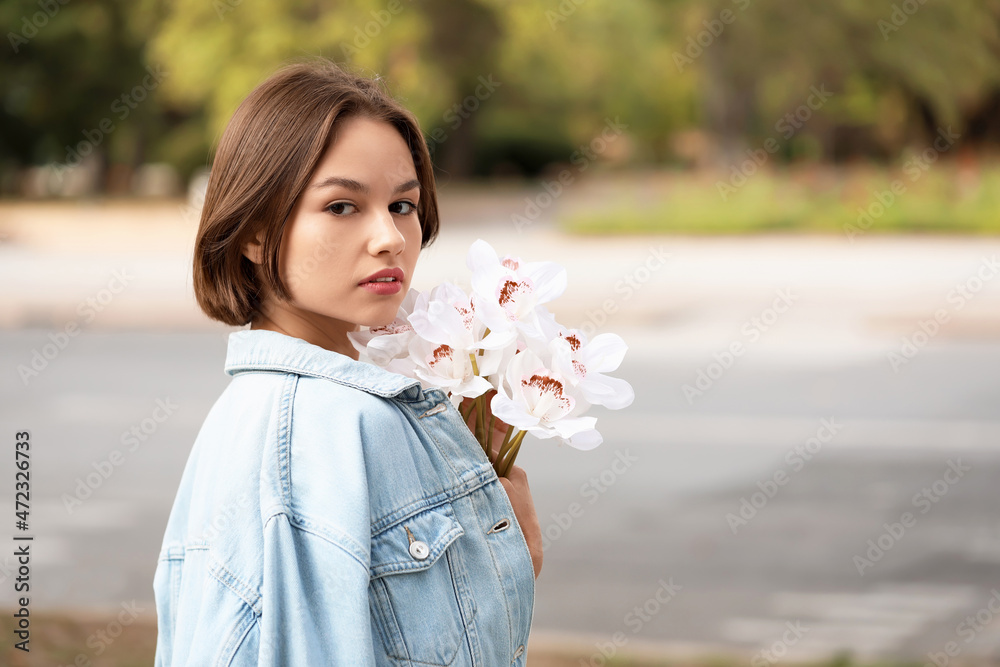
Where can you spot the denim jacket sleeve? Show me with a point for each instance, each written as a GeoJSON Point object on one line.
{"type": "Point", "coordinates": [317, 541]}
{"type": "Point", "coordinates": [316, 593]}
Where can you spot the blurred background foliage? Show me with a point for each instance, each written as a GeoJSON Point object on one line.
{"type": "Point", "coordinates": [697, 82]}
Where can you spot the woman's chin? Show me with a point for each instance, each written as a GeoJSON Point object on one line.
{"type": "Point", "coordinates": [381, 318]}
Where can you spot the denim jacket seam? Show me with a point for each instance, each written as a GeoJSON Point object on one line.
{"type": "Point", "coordinates": [284, 437]}
{"type": "Point", "coordinates": [344, 542]}
{"type": "Point", "coordinates": [174, 550]}
{"type": "Point", "coordinates": [429, 431]}
{"type": "Point", "coordinates": [238, 368]}
{"type": "Point", "coordinates": [247, 593]}
{"type": "Point", "coordinates": [236, 640]}
{"type": "Point", "coordinates": [442, 450]}
{"type": "Point", "coordinates": [481, 478]}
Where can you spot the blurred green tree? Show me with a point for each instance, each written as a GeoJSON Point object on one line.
{"type": "Point", "coordinates": [898, 70]}
{"type": "Point", "coordinates": [687, 78]}
{"type": "Point", "coordinates": [67, 74]}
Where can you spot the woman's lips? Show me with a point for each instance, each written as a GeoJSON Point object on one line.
{"type": "Point", "coordinates": [390, 283]}
{"type": "Point", "coordinates": [394, 272]}
{"type": "Point", "coordinates": [383, 288]}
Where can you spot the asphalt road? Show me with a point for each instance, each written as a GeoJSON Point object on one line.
{"type": "Point", "coordinates": [649, 539]}
{"type": "Point", "coordinates": [810, 464]}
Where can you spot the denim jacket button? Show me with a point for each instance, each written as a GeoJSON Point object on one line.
{"type": "Point", "coordinates": [419, 550]}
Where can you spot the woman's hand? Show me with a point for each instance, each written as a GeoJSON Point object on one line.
{"type": "Point", "coordinates": [516, 486]}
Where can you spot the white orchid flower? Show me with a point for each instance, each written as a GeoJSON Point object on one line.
{"type": "Point", "coordinates": [508, 292]}
{"type": "Point", "coordinates": [459, 348]}
{"type": "Point", "coordinates": [389, 346]}
{"type": "Point", "coordinates": [440, 365]}
{"type": "Point", "coordinates": [584, 363]}
{"type": "Point", "coordinates": [447, 315]}
{"type": "Point", "coordinates": [536, 399]}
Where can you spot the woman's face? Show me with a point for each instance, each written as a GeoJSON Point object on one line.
{"type": "Point", "coordinates": [356, 217]}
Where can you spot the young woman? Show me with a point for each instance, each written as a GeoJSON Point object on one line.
{"type": "Point", "coordinates": [332, 512]}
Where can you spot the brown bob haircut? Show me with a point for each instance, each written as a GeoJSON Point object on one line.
{"type": "Point", "coordinates": [264, 161]}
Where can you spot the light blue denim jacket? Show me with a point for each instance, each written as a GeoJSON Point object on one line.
{"type": "Point", "coordinates": [334, 513]}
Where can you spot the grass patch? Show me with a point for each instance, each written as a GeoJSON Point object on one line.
{"type": "Point", "coordinates": [944, 200]}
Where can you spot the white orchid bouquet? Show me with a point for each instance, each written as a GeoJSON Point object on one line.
{"type": "Point", "coordinates": [502, 342]}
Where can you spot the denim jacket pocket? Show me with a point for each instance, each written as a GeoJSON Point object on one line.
{"type": "Point", "coordinates": [419, 591]}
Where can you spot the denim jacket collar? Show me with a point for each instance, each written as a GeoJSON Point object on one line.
{"type": "Point", "coordinates": [264, 350]}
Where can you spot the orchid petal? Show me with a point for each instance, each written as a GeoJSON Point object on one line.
{"type": "Point", "coordinates": [511, 412]}
{"type": "Point", "coordinates": [605, 353]}
{"type": "Point", "coordinates": [549, 279]}
{"type": "Point", "coordinates": [613, 393]}
{"type": "Point", "coordinates": [585, 440]}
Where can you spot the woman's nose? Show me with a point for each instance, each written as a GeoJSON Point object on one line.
{"type": "Point", "coordinates": [385, 236]}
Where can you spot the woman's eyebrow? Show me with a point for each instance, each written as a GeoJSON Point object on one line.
{"type": "Point", "coordinates": [409, 185]}
{"type": "Point", "coordinates": [357, 186]}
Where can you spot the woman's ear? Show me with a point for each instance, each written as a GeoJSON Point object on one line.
{"type": "Point", "coordinates": [254, 249]}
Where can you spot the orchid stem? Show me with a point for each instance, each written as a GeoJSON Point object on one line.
{"type": "Point", "coordinates": [504, 448]}
{"type": "Point", "coordinates": [505, 444]}
{"type": "Point", "coordinates": [481, 424]}
{"type": "Point", "coordinates": [489, 436]}
{"type": "Point", "coordinates": [512, 454]}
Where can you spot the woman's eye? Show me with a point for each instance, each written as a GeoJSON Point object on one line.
{"type": "Point", "coordinates": [337, 208]}
{"type": "Point", "coordinates": [408, 207]}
